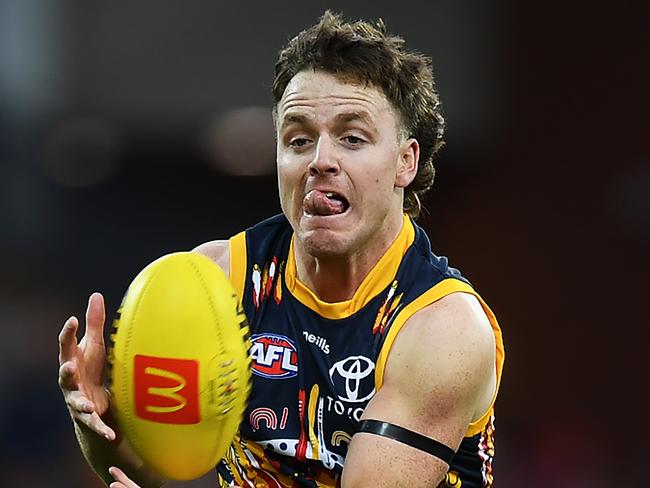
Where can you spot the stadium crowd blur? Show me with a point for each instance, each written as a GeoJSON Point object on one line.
{"type": "Point", "coordinates": [130, 130]}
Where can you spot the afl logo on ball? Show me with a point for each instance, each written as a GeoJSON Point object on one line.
{"type": "Point", "coordinates": [274, 356]}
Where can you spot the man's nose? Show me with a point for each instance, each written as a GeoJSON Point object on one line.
{"type": "Point", "coordinates": [326, 159]}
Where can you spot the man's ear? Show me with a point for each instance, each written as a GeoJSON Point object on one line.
{"type": "Point", "coordinates": [407, 167]}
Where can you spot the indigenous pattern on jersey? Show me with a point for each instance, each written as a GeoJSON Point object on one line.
{"type": "Point", "coordinates": [316, 365]}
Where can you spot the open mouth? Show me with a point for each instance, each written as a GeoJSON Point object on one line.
{"type": "Point", "coordinates": [319, 203]}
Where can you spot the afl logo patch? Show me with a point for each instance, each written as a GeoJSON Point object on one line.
{"type": "Point", "coordinates": [274, 356]}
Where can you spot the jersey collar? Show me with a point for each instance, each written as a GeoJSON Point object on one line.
{"type": "Point", "coordinates": [374, 283]}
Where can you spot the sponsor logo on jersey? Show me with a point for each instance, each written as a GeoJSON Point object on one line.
{"type": "Point", "coordinates": [353, 376]}
{"type": "Point", "coordinates": [317, 340]}
{"type": "Point", "coordinates": [336, 406]}
{"type": "Point", "coordinates": [274, 356]}
{"type": "Point", "coordinates": [166, 389]}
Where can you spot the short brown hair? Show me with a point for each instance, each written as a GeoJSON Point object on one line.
{"type": "Point", "coordinates": [364, 52]}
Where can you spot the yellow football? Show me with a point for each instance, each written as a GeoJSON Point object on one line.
{"type": "Point", "coordinates": [179, 365]}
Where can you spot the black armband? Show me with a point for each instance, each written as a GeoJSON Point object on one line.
{"type": "Point", "coordinates": [408, 437]}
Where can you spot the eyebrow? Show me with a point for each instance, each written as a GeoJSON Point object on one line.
{"type": "Point", "coordinates": [299, 119]}
{"type": "Point", "coordinates": [360, 116]}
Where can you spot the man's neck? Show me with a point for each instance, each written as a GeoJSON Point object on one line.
{"type": "Point", "coordinates": [337, 278]}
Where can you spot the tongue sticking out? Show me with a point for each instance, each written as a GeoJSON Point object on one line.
{"type": "Point", "coordinates": [317, 202]}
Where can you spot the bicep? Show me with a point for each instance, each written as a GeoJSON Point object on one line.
{"type": "Point", "coordinates": [377, 461]}
{"type": "Point", "coordinates": [374, 460]}
{"type": "Point", "coordinates": [436, 376]}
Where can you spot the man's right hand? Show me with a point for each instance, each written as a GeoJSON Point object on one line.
{"type": "Point", "coordinates": [81, 371]}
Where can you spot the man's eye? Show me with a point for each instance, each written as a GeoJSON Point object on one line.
{"type": "Point", "coordinates": [298, 142]}
{"type": "Point", "coordinates": [353, 139]}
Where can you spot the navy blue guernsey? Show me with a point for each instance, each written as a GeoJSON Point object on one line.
{"type": "Point", "coordinates": [316, 365]}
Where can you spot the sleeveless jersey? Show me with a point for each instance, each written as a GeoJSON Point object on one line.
{"type": "Point", "coordinates": [316, 365]}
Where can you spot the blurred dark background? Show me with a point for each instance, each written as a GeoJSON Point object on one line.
{"type": "Point", "coordinates": [132, 129]}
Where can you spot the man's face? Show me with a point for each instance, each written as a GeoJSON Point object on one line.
{"type": "Point", "coordinates": [342, 166]}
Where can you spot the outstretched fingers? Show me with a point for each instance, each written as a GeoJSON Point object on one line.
{"type": "Point", "coordinates": [95, 317]}
{"type": "Point", "coordinates": [68, 340]}
{"type": "Point", "coordinates": [78, 403]}
{"type": "Point", "coordinates": [96, 424]}
{"type": "Point", "coordinates": [67, 378]}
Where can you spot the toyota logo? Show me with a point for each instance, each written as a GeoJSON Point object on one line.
{"type": "Point", "coordinates": [352, 371]}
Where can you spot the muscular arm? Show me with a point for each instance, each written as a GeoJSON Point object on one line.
{"type": "Point", "coordinates": [439, 377]}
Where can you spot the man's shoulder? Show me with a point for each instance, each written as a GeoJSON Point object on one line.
{"type": "Point", "coordinates": [452, 337]}
{"type": "Point", "coordinates": [458, 316]}
{"type": "Point", "coordinates": [435, 264]}
{"type": "Point", "coordinates": [218, 251]}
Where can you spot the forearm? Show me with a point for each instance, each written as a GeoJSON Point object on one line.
{"type": "Point", "coordinates": [101, 454]}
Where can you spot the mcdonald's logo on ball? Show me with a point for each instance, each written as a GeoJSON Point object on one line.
{"type": "Point", "coordinates": [166, 389]}
{"type": "Point", "coordinates": [179, 365]}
